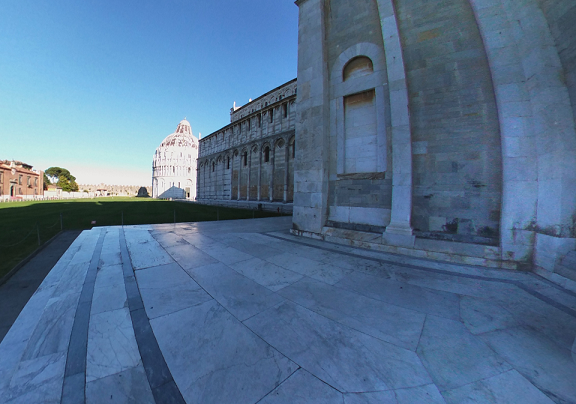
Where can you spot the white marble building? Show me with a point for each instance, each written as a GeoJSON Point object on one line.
{"type": "Point", "coordinates": [252, 158]}
{"type": "Point", "coordinates": [174, 165]}
{"type": "Point", "coordinates": [443, 130]}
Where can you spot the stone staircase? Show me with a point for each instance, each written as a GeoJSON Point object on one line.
{"type": "Point", "coordinates": [567, 266]}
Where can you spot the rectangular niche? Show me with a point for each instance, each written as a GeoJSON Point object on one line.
{"type": "Point", "coordinates": [360, 133]}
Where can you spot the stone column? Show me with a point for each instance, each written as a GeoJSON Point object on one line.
{"type": "Point", "coordinates": [271, 186]}
{"type": "Point", "coordinates": [312, 120]}
{"type": "Point", "coordinates": [259, 171]}
{"type": "Point", "coordinates": [399, 231]}
{"type": "Point", "coordinates": [286, 152]}
{"type": "Point", "coordinates": [239, 174]}
{"type": "Point", "coordinates": [231, 175]}
{"type": "Point", "coordinates": [249, 156]}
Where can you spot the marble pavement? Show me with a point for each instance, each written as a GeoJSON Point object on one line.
{"type": "Point", "coordinates": [243, 312]}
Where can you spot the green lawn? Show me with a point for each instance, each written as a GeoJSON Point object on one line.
{"type": "Point", "coordinates": [22, 222]}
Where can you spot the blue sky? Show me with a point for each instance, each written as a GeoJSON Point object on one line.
{"type": "Point", "coordinates": [95, 85]}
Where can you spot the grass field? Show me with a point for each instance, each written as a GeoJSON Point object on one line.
{"type": "Point", "coordinates": [23, 223]}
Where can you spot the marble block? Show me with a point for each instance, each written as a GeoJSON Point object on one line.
{"type": "Point", "coordinates": [168, 288]}
{"type": "Point", "coordinates": [302, 388]}
{"type": "Point", "coordinates": [507, 387]}
{"type": "Point", "coordinates": [340, 356]}
{"type": "Point", "coordinates": [127, 387]}
{"type": "Point", "coordinates": [480, 315]}
{"type": "Point", "coordinates": [52, 332]}
{"type": "Point", "coordinates": [189, 256]}
{"type": "Point", "coordinates": [454, 357]}
{"type": "Point", "coordinates": [412, 297]}
{"type": "Point", "coordinates": [387, 322]}
{"type": "Point", "coordinates": [206, 348]}
{"type": "Point", "coordinates": [545, 364]}
{"type": "Point", "coordinates": [112, 345]}
{"type": "Point", "coordinates": [321, 271]}
{"type": "Point", "coordinates": [37, 380]}
{"type": "Point", "coordinates": [224, 253]}
{"type": "Point", "coordinates": [144, 250]}
{"type": "Point", "coordinates": [239, 295]}
{"type": "Point", "coordinates": [266, 274]}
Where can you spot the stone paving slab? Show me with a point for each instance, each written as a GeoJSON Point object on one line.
{"type": "Point", "coordinates": [243, 312]}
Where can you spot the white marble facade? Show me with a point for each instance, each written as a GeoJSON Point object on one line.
{"type": "Point", "coordinates": [472, 163]}
{"type": "Point", "coordinates": [174, 165]}
{"type": "Point", "coordinates": [252, 158]}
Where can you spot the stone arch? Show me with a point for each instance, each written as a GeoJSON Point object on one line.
{"type": "Point", "coordinates": [363, 68]}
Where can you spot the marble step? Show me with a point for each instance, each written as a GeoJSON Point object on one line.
{"type": "Point", "coordinates": [567, 266]}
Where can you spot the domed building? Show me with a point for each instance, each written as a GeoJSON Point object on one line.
{"type": "Point", "coordinates": [174, 165]}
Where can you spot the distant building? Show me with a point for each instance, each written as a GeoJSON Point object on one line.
{"type": "Point", "coordinates": [111, 190]}
{"type": "Point", "coordinates": [18, 179]}
{"type": "Point", "coordinates": [252, 158]}
{"type": "Point", "coordinates": [174, 165]}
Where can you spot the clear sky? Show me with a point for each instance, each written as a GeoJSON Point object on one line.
{"type": "Point", "coordinates": [94, 86]}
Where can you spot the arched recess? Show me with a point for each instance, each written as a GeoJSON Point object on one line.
{"type": "Point", "coordinates": [358, 77]}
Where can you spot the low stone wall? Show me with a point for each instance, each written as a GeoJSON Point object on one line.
{"type": "Point", "coordinates": [441, 250]}
{"type": "Point", "coordinates": [279, 207]}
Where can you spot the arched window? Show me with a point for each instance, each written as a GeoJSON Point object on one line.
{"type": "Point", "coordinates": [266, 154]}
{"type": "Point", "coordinates": [271, 112]}
{"type": "Point", "coordinates": [228, 163]}
{"type": "Point", "coordinates": [361, 141]}
{"type": "Point", "coordinates": [213, 166]}
{"type": "Point", "coordinates": [357, 67]}
{"type": "Point", "coordinates": [245, 159]}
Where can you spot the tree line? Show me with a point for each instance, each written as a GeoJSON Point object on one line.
{"type": "Point", "coordinates": [61, 177]}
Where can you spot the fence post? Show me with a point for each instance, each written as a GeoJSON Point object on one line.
{"type": "Point", "coordinates": [61, 224]}
{"type": "Point", "coordinates": [38, 233]}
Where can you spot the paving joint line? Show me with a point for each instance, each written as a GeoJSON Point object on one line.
{"type": "Point", "coordinates": [74, 385]}
{"type": "Point", "coordinates": [160, 380]}
{"type": "Point", "coordinates": [518, 284]}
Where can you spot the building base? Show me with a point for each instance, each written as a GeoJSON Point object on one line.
{"type": "Point", "coordinates": [279, 207]}
{"type": "Point", "coordinates": [442, 250]}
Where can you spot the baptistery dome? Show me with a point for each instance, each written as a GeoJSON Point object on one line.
{"type": "Point", "coordinates": [174, 165]}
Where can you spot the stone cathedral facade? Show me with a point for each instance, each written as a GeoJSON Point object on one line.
{"type": "Point", "coordinates": [252, 158]}
{"type": "Point", "coordinates": [439, 129]}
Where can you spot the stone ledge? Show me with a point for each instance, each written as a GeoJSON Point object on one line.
{"type": "Point", "coordinates": [285, 208]}
{"type": "Point", "coordinates": [459, 253]}
{"type": "Point", "coordinates": [556, 278]}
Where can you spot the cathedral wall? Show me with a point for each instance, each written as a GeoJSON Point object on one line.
{"type": "Point", "coordinates": [470, 104]}
{"type": "Point", "coordinates": [561, 17]}
{"type": "Point", "coordinates": [359, 194]}
{"type": "Point", "coordinates": [455, 131]}
{"type": "Point", "coordinates": [247, 158]}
